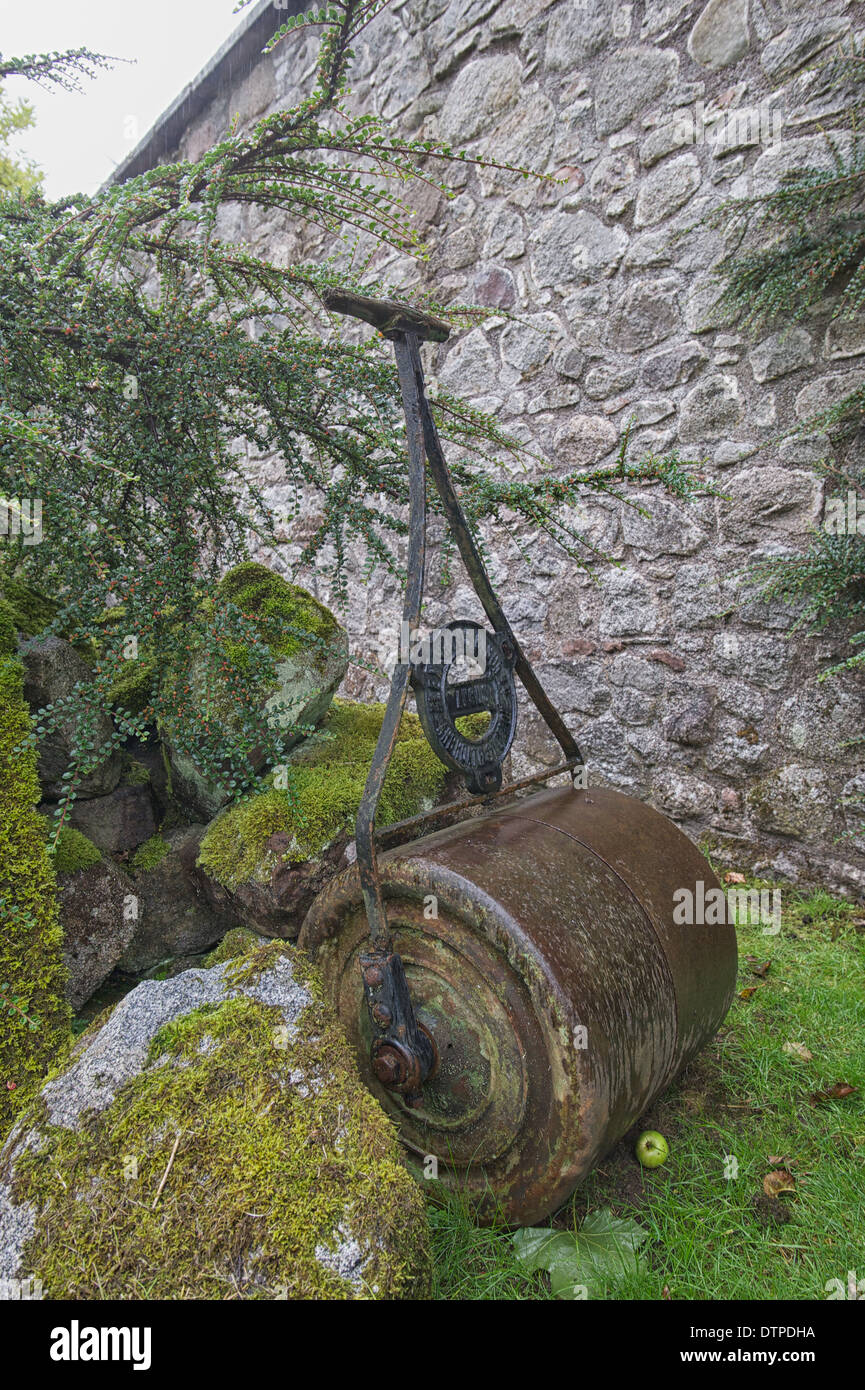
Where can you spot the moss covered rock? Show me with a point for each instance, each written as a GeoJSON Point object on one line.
{"type": "Point", "coordinates": [74, 851]}
{"type": "Point", "coordinates": [148, 855]}
{"type": "Point", "coordinates": [99, 914]}
{"type": "Point", "coordinates": [119, 822]}
{"type": "Point", "coordinates": [29, 610]}
{"type": "Point", "coordinates": [8, 630]}
{"type": "Point", "coordinates": [240, 941]}
{"type": "Point", "coordinates": [53, 671]}
{"type": "Point", "coordinates": [212, 1139]}
{"type": "Point", "coordinates": [175, 918]}
{"type": "Point", "coordinates": [311, 655]}
{"type": "Point", "coordinates": [289, 619]}
{"type": "Point", "coordinates": [134, 686]}
{"type": "Point", "coordinates": [146, 764]}
{"type": "Point", "coordinates": [34, 1016]}
{"type": "Point", "coordinates": [276, 850]}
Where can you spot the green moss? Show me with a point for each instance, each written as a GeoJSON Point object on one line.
{"type": "Point", "coordinates": [134, 774]}
{"type": "Point", "coordinates": [247, 967]}
{"type": "Point", "coordinates": [232, 849]}
{"type": "Point", "coordinates": [174, 1038]}
{"type": "Point", "coordinates": [285, 615]}
{"type": "Point", "coordinates": [34, 1022]}
{"type": "Point", "coordinates": [134, 685]}
{"type": "Point", "coordinates": [276, 1134]}
{"type": "Point", "coordinates": [237, 942]}
{"type": "Point", "coordinates": [31, 611]}
{"type": "Point", "coordinates": [134, 681]}
{"type": "Point", "coordinates": [328, 774]}
{"type": "Point", "coordinates": [166, 764]}
{"type": "Point", "coordinates": [8, 629]}
{"type": "Point", "coordinates": [74, 852]}
{"type": "Point", "coordinates": [148, 855]}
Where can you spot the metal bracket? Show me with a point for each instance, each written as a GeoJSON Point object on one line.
{"type": "Point", "coordinates": [403, 1053]}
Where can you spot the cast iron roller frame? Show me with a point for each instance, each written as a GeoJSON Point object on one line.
{"type": "Point", "coordinates": [403, 1052]}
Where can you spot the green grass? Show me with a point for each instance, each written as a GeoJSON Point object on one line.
{"type": "Point", "coordinates": [714, 1237]}
{"type": "Point", "coordinates": [476, 1262]}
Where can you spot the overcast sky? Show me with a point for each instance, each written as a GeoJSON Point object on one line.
{"type": "Point", "coordinates": [80, 137]}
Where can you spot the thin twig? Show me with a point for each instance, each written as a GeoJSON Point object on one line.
{"type": "Point", "coordinates": [167, 1171]}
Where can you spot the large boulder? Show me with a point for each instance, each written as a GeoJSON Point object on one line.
{"type": "Point", "coordinates": [310, 649]}
{"type": "Point", "coordinates": [211, 1139]}
{"type": "Point", "coordinates": [119, 822]}
{"type": "Point", "coordinates": [175, 915]}
{"type": "Point", "coordinates": [275, 851]}
{"type": "Point", "coordinates": [147, 763]}
{"type": "Point", "coordinates": [53, 670]}
{"type": "Point", "coordinates": [273, 890]}
{"type": "Point", "coordinates": [98, 913]}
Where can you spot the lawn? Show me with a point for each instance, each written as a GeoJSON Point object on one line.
{"type": "Point", "coordinates": [743, 1109]}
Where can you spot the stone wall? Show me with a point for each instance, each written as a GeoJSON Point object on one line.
{"type": "Point", "coordinates": [682, 685]}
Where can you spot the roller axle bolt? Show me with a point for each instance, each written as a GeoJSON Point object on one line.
{"type": "Point", "coordinates": [390, 1068]}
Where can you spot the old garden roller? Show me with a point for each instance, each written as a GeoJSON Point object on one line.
{"type": "Point", "coordinates": [507, 967]}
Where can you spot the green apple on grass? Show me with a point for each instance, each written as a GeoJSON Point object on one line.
{"type": "Point", "coordinates": [652, 1149]}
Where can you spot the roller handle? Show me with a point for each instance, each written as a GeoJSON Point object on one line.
{"type": "Point", "coordinates": [387, 315]}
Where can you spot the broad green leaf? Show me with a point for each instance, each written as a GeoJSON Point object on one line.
{"type": "Point", "coordinates": [582, 1264]}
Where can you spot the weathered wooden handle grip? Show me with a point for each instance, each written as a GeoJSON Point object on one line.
{"type": "Point", "coordinates": [387, 315]}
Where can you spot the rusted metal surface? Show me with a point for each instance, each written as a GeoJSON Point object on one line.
{"type": "Point", "coordinates": [441, 817]}
{"type": "Point", "coordinates": [402, 1052]}
{"type": "Point", "coordinates": [516, 931]}
{"type": "Point", "coordinates": [525, 991]}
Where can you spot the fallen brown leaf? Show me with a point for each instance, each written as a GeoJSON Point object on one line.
{"type": "Point", "coordinates": [839, 1091]}
{"type": "Point", "coordinates": [798, 1050]}
{"type": "Point", "coordinates": [748, 991]}
{"type": "Point", "coordinates": [666, 1291]}
{"type": "Point", "coordinates": [734, 878]}
{"type": "Point", "coordinates": [778, 1181]}
{"type": "Point", "coordinates": [783, 1159]}
{"type": "Point", "coordinates": [758, 967]}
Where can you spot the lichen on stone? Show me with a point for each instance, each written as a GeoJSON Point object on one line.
{"type": "Point", "coordinates": [212, 1139]}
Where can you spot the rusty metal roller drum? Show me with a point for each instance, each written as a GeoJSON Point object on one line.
{"type": "Point", "coordinates": [542, 956]}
